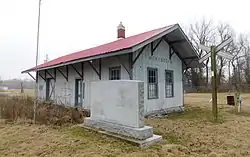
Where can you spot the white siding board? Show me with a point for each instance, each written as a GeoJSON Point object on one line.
{"type": "Point", "coordinates": [65, 91]}
{"type": "Point", "coordinates": [140, 73]}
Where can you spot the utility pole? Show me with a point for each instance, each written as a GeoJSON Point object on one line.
{"type": "Point", "coordinates": [22, 87]}
{"type": "Point", "coordinates": [213, 51]}
{"type": "Point", "coordinates": [37, 50]}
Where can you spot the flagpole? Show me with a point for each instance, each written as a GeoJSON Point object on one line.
{"type": "Point", "coordinates": [37, 50]}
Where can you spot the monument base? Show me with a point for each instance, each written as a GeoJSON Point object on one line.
{"type": "Point", "coordinates": [141, 143]}
{"type": "Point", "coordinates": [136, 133]}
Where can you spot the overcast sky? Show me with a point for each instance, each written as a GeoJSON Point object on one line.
{"type": "Point", "coordinates": [71, 25]}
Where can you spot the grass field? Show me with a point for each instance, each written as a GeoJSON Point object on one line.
{"type": "Point", "coordinates": [15, 92]}
{"type": "Point", "coordinates": [192, 133]}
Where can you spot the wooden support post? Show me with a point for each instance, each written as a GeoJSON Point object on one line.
{"type": "Point", "coordinates": [174, 51]}
{"type": "Point", "coordinates": [37, 76]}
{"type": "Point", "coordinates": [130, 58]}
{"type": "Point", "coordinates": [82, 68]}
{"type": "Point", "coordinates": [171, 52]}
{"type": "Point", "coordinates": [67, 73]}
{"type": "Point", "coordinates": [32, 76]}
{"type": "Point", "coordinates": [62, 74]}
{"type": "Point", "coordinates": [72, 65]}
{"type": "Point", "coordinates": [100, 69]}
{"type": "Point", "coordinates": [214, 84]}
{"type": "Point", "coordinates": [124, 66]}
{"type": "Point", "coordinates": [139, 53]}
{"type": "Point", "coordinates": [45, 75]}
{"type": "Point", "coordinates": [55, 74]}
{"type": "Point", "coordinates": [46, 71]}
{"type": "Point", "coordinates": [96, 71]}
{"type": "Point", "coordinates": [177, 41]}
{"type": "Point", "coordinates": [152, 48]}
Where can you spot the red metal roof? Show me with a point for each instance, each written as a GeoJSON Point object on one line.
{"type": "Point", "coordinates": [106, 48]}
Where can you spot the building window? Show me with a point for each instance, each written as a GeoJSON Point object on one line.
{"type": "Point", "coordinates": [115, 73]}
{"type": "Point", "coordinates": [152, 83]}
{"type": "Point", "coordinates": [169, 83]}
{"type": "Point", "coordinates": [78, 92]}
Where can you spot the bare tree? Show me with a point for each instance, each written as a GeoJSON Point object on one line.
{"type": "Point", "coordinates": [243, 62]}
{"type": "Point", "coordinates": [224, 31]}
{"type": "Point", "coordinates": [235, 64]}
{"type": "Point", "coordinates": [246, 59]}
{"type": "Point", "coordinates": [240, 62]}
{"type": "Point", "coordinates": [201, 32]}
{"type": "Point", "coordinates": [207, 33]}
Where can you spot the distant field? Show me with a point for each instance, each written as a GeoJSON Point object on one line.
{"type": "Point", "coordinates": [13, 92]}
{"type": "Point", "coordinates": [189, 134]}
{"type": "Point", "coordinates": [202, 100]}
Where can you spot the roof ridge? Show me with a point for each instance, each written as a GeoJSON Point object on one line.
{"type": "Point", "coordinates": [122, 39]}
{"type": "Point", "coordinates": [109, 47]}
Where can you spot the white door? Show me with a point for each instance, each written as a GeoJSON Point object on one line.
{"type": "Point", "coordinates": [79, 93]}
{"type": "Point", "coordinates": [83, 94]}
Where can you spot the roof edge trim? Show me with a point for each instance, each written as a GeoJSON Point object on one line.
{"type": "Point", "coordinates": [119, 52]}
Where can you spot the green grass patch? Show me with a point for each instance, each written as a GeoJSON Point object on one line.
{"type": "Point", "coordinates": [191, 113]}
{"type": "Point", "coordinates": [246, 114]}
{"type": "Point", "coordinates": [93, 138]}
{"type": "Point", "coordinates": [169, 137]}
{"type": "Point", "coordinates": [2, 91]}
{"type": "Point", "coordinates": [242, 113]}
{"type": "Point", "coordinates": [196, 113]}
{"type": "Point", "coordinates": [100, 139]}
{"type": "Point", "coordinates": [172, 138]}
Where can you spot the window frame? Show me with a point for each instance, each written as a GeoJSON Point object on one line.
{"type": "Point", "coordinates": [115, 68]}
{"type": "Point", "coordinates": [157, 83]}
{"type": "Point", "coordinates": [166, 83]}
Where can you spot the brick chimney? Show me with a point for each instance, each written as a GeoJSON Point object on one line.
{"type": "Point", "coordinates": [46, 59]}
{"type": "Point", "coordinates": [120, 31]}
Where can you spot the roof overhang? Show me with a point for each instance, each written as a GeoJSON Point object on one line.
{"type": "Point", "coordinates": [182, 46]}
{"type": "Point", "coordinates": [120, 52]}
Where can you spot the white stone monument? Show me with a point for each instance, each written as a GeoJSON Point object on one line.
{"type": "Point", "coordinates": [118, 107]}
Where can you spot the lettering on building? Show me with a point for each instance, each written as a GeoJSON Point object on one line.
{"type": "Point", "coordinates": [160, 59]}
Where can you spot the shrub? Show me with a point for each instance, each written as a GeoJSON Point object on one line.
{"type": "Point", "coordinates": [13, 108]}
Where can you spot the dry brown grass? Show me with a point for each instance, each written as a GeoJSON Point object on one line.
{"type": "Point", "coordinates": [196, 131]}
{"type": "Point", "coordinates": [17, 92]}
{"type": "Point", "coordinates": [192, 133]}
{"type": "Point", "coordinates": [13, 108]}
